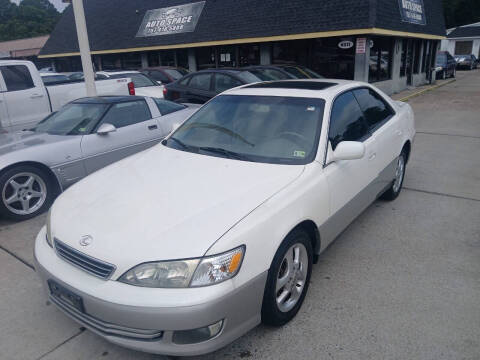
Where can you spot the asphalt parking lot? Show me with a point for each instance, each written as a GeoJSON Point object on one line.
{"type": "Point", "coordinates": [402, 282]}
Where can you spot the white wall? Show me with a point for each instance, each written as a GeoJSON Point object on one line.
{"type": "Point", "coordinates": [449, 45]}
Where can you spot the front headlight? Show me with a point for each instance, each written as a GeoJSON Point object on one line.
{"type": "Point", "coordinates": [186, 273]}
{"type": "Point", "coordinates": [49, 229]}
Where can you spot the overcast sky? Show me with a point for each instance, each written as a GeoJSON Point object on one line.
{"type": "Point", "coordinates": [58, 4]}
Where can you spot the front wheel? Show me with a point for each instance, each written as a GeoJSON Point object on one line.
{"type": "Point", "coordinates": [394, 190]}
{"type": "Point", "coordinates": [288, 279]}
{"type": "Point", "coordinates": [26, 191]}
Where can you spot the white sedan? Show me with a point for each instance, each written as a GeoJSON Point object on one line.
{"type": "Point", "coordinates": [183, 248]}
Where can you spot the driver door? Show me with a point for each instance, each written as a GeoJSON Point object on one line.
{"type": "Point", "coordinates": [135, 131]}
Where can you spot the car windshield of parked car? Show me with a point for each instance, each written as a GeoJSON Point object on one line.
{"type": "Point", "coordinates": [441, 59]}
{"type": "Point", "coordinates": [176, 73]}
{"type": "Point", "coordinates": [72, 119]}
{"type": "Point", "coordinates": [311, 73]}
{"type": "Point", "coordinates": [247, 77]}
{"type": "Point", "coordinates": [269, 74]}
{"type": "Point", "coordinates": [269, 129]}
{"type": "Point", "coordinates": [299, 74]}
{"type": "Point", "coordinates": [139, 80]}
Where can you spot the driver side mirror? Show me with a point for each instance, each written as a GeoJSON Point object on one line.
{"type": "Point", "coordinates": [106, 128]}
{"type": "Point", "coordinates": [348, 150]}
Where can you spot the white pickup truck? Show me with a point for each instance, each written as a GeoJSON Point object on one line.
{"type": "Point", "coordinates": [25, 100]}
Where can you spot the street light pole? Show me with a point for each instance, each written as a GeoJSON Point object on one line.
{"type": "Point", "coordinates": [84, 46]}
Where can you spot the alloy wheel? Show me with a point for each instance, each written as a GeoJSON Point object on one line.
{"type": "Point", "coordinates": [291, 277]}
{"type": "Point", "coordinates": [399, 174]}
{"type": "Point", "coordinates": [24, 193]}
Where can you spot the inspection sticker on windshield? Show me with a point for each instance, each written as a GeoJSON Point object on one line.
{"type": "Point", "coordinates": [311, 108]}
{"type": "Point", "coordinates": [300, 154]}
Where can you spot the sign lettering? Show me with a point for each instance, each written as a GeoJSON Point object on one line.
{"type": "Point", "coordinates": [412, 11]}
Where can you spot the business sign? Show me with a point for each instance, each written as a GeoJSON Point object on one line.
{"type": "Point", "coordinates": [361, 45]}
{"type": "Point", "coordinates": [413, 11]}
{"type": "Point", "coordinates": [171, 20]}
{"type": "Point", "coordinates": [345, 44]}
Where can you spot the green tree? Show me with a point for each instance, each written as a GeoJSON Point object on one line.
{"type": "Point", "coordinates": [30, 18]}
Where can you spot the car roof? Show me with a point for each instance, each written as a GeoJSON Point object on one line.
{"type": "Point", "coordinates": [107, 99]}
{"type": "Point", "coordinates": [311, 88]}
{"type": "Point", "coordinates": [118, 72]}
{"type": "Point", "coordinates": [223, 70]}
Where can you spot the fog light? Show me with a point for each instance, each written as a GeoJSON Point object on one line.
{"type": "Point", "coordinates": [197, 335]}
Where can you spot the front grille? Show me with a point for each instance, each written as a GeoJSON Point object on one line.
{"type": "Point", "coordinates": [87, 263]}
{"type": "Point", "coordinates": [105, 328]}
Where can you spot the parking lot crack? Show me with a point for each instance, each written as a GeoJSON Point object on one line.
{"type": "Point", "coordinates": [18, 258]}
{"type": "Point", "coordinates": [442, 194]}
{"type": "Point", "coordinates": [443, 134]}
{"type": "Point", "coordinates": [81, 330]}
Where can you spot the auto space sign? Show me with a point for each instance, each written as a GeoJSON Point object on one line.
{"type": "Point", "coordinates": [413, 11]}
{"type": "Point", "coordinates": [171, 20]}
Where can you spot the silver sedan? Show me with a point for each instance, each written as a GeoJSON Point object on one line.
{"type": "Point", "coordinates": [84, 136]}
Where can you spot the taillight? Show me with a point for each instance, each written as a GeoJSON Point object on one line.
{"type": "Point", "coordinates": [165, 91]}
{"type": "Point", "coordinates": [131, 88]}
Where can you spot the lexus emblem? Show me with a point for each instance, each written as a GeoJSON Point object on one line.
{"type": "Point", "coordinates": [86, 240]}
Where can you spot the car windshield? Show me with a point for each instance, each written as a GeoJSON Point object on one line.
{"type": "Point", "coordinates": [268, 129]}
{"type": "Point", "coordinates": [441, 59]}
{"type": "Point", "coordinates": [72, 119]}
{"type": "Point", "coordinates": [139, 80]}
{"type": "Point", "coordinates": [311, 73]}
{"type": "Point", "coordinates": [299, 74]}
{"type": "Point", "coordinates": [176, 73]}
{"type": "Point", "coordinates": [247, 77]}
{"type": "Point", "coordinates": [269, 74]}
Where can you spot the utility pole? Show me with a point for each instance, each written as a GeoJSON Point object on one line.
{"type": "Point", "coordinates": [84, 46]}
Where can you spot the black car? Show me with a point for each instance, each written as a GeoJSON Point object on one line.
{"type": "Point", "coordinates": [469, 62]}
{"type": "Point", "coordinates": [446, 65]}
{"type": "Point", "coordinates": [164, 74]}
{"type": "Point", "coordinates": [203, 85]}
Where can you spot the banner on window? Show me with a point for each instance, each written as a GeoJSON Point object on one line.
{"type": "Point", "coordinates": [413, 11]}
{"type": "Point", "coordinates": [171, 20]}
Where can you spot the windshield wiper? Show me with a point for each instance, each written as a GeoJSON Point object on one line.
{"type": "Point", "coordinates": [181, 143]}
{"type": "Point", "coordinates": [229, 154]}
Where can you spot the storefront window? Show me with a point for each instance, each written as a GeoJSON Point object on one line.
{"type": "Point", "coordinates": [205, 58]}
{"type": "Point", "coordinates": [249, 54]}
{"type": "Point", "coordinates": [294, 52]}
{"type": "Point", "coordinates": [332, 61]}
{"type": "Point", "coordinates": [426, 53]}
{"type": "Point", "coordinates": [463, 47]}
{"type": "Point", "coordinates": [416, 56]}
{"type": "Point", "coordinates": [403, 64]}
{"type": "Point", "coordinates": [168, 57]}
{"type": "Point", "coordinates": [381, 49]}
{"type": "Point", "coordinates": [227, 56]}
{"type": "Point", "coordinates": [153, 58]}
{"type": "Point", "coordinates": [182, 58]}
{"type": "Point", "coordinates": [131, 61]}
{"type": "Point", "coordinates": [111, 62]}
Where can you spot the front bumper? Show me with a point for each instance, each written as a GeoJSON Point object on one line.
{"type": "Point", "coordinates": [151, 328]}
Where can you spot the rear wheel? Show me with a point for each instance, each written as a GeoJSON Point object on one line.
{"type": "Point", "coordinates": [288, 279]}
{"type": "Point", "coordinates": [25, 191]}
{"type": "Point", "coordinates": [394, 190]}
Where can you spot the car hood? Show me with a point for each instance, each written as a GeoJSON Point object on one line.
{"type": "Point", "coordinates": [163, 204]}
{"type": "Point", "coordinates": [15, 141]}
{"type": "Point", "coordinates": [151, 91]}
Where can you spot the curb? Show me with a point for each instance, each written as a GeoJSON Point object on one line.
{"type": "Point", "coordinates": [406, 98]}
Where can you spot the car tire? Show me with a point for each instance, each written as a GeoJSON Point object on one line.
{"type": "Point", "coordinates": [25, 192]}
{"type": "Point", "coordinates": [397, 184]}
{"type": "Point", "coordinates": [288, 280]}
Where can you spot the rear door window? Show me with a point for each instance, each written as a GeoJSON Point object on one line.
{"type": "Point", "coordinates": [224, 82]}
{"type": "Point", "coordinates": [201, 82]}
{"type": "Point", "coordinates": [17, 77]}
{"type": "Point", "coordinates": [376, 110]}
{"type": "Point", "coordinates": [347, 122]}
{"type": "Point", "coordinates": [167, 107]}
{"type": "Point", "coordinates": [127, 113]}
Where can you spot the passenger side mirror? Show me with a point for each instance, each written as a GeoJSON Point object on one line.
{"type": "Point", "coordinates": [105, 129]}
{"type": "Point", "coordinates": [348, 150]}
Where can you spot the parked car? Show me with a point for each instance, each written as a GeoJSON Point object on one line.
{"type": "Point", "coordinates": [82, 137]}
{"type": "Point", "coordinates": [446, 65]}
{"type": "Point", "coordinates": [25, 99]}
{"type": "Point", "coordinates": [50, 78]}
{"type": "Point", "coordinates": [199, 87]}
{"type": "Point", "coordinates": [164, 74]}
{"type": "Point", "coordinates": [183, 248]}
{"type": "Point", "coordinates": [466, 62]}
{"type": "Point", "coordinates": [298, 71]}
{"type": "Point", "coordinates": [144, 85]}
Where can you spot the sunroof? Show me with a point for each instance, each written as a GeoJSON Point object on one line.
{"type": "Point", "coordinates": [301, 85]}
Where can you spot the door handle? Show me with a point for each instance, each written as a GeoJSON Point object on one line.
{"type": "Point", "coordinates": [152, 127]}
{"type": "Point", "coordinates": [35, 96]}
{"type": "Point", "coordinates": [372, 157]}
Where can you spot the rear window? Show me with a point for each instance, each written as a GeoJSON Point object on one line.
{"type": "Point", "coordinates": [167, 107]}
{"type": "Point", "coordinates": [17, 77]}
{"type": "Point", "coordinates": [201, 81]}
{"type": "Point", "coordinates": [175, 73]}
